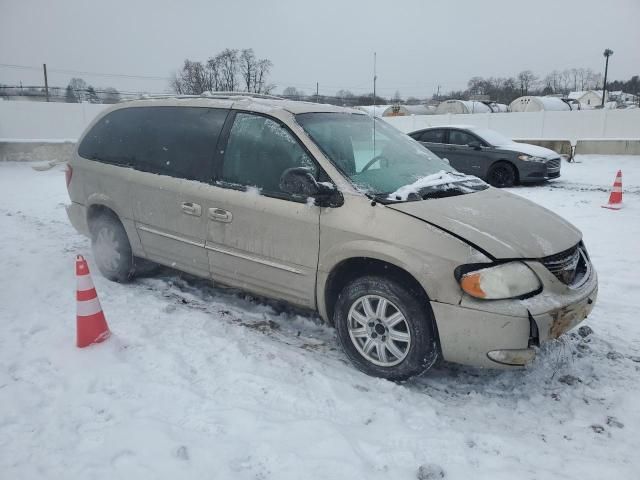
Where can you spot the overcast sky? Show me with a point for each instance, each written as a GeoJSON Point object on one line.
{"type": "Point", "coordinates": [420, 44]}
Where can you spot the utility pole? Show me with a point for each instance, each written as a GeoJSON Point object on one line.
{"type": "Point", "coordinates": [317, 90]}
{"type": "Point", "coordinates": [375, 79]}
{"type": "Point", "coordinates": [46, 82]}
{"type": "Point", "coordinates": [438, 94]}
{"type": "Point", "coordinates": [607, 53]}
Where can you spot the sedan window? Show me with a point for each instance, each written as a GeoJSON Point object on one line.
{"type": "Point", "coordinates": [457, 137]}
{"type": "Point", "coordinates": [433, 136]}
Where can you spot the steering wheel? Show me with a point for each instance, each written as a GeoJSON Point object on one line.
{"type": "Point", "coordinates": [372, 161]}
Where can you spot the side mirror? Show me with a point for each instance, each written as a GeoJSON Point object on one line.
{"type": "Point", "coordinates": [299, 181]}
{"type": "Point", "coordinates": [475, 145]}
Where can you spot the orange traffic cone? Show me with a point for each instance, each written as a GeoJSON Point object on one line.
{"type": "Point", "coordinates": [615, 199]}
{"type": "Point", "coordinates": [91, 324]}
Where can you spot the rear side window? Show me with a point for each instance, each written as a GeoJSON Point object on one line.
{"type": "Point", "coordinates": [175, 141]}
{"type": "Point", "coordinates": [432, 136]}
{"type": "Point", "coordinates": [456, 137]}
{"type": "Point", "coordinates": [258, 152]}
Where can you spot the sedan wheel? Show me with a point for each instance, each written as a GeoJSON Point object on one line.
{"type": "Point", "coordinates": [501, 175]}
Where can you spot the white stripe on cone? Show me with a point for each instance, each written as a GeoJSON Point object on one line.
{"type": "Point", "coordinates": [85, 282]}
{"type": "Point", "coordinates": [88, 307]}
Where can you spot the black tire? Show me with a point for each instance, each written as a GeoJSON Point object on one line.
{"type": "Point", "coordinates": [502, 174]}
{"type": "Point", "coordinates": [111, 249]}
{"type": "Point", "coordinates": [145, 268]}
{"type": "Point", "coordinates": [422, 352]}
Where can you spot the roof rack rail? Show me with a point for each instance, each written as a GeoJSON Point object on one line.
{"type": "Point", "coordinates": [209, 95]}
{"type": "Point", "coordinates": [242, 94]}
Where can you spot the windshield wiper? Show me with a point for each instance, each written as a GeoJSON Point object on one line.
{"type": "Point", "coordinates": [442, 193]}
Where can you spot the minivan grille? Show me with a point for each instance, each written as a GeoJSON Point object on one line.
{"type": "Point", "coordinates": [553, 164]}
{"type": "Point", "coordinates": [571, 266]}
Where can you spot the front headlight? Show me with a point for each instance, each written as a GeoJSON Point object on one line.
{"type": "Point", "coordinates": [529, 158]}
{"type": "Point", "coordinates": [506, 280]}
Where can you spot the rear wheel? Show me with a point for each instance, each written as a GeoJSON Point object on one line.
{"type": "Point", "coordinates": [502, 174]}
{"type": "Point", "coordinates": [111, 249]}
{"type": "Point", "coordinates": [385, 330]}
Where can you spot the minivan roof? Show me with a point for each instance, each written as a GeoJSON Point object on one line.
{"type": "Point", "coordinates": [240, 102]}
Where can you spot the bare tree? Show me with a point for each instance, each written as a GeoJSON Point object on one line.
{"type": "Point", "coordinates": [293, 93]}
{"type": "Point", "coordinates": [228, 63]}
{"type": "Point", "coordinates": [78, 88]}
{"type": "Point", "coordinates": [477, 86]}
{"type": "Point", "coordinates": [193, 79]}
{"type": "Point", "coordinates": [92, 96]}
{"type": "Point", "coordinates": [248, 68]}
{"type": "Point", "coordinates": [260, 84]}
{"type": "Point", "coordinates": [110, 95]}
{"type": "Point", "coordinates": [229, 70]}
{"type": "Point", "coordinates": [527, 81]}
{"type": "Point", "coordinates": [345, 97]}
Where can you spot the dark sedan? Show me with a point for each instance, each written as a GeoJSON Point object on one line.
{"type": "Point", "coordinates": [489, 155]}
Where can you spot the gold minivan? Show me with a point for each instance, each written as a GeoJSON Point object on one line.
{"type": "Point", "coordinates": [330, 209]}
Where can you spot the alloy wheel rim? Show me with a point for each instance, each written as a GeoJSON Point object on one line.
{"type": "Point", "coordinates": [502, 176]}
{"type": "Point", "coordinates": [379, 330]}
{"type": "Point", "coordinates": [107, 253]}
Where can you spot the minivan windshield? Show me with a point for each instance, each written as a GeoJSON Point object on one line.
{"type": "Point", "coordinates": [382, 161]}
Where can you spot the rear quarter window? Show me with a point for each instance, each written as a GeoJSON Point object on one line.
{"type": "Point", "coordinates": [433, 136]}
{"type": "Point", "coordinates": [175, 141]}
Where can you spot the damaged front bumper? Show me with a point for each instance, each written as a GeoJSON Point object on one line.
{"type": "Point", "coordinates": [505, 333]}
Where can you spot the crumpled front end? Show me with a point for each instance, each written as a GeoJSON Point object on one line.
{"type": "Point", "coordinates": [504, 333]}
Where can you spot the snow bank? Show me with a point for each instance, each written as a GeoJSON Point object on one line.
{"type": "Point", "coordinates": [202, 382]}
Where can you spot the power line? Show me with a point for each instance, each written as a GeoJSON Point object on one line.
{"type": "Point", "coordinates": [80, 72]}
{"type": "Point", "coordinates": [360, 87]}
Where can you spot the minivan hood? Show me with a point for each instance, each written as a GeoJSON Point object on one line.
{"type": "Point", "coordinates": [528, 149]}
{"type": "Point", "coordinates": [502, 224]}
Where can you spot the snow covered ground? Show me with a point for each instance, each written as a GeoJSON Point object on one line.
{"type": "Point", "coordinates": [199, 382]}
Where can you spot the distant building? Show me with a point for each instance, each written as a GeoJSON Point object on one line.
{"type": "Point", "coordinates": [420, 109]}
{"type": "Point", "coordinates": [588, 98]}
{"type": "Point", "coordinates": [538, 104]}
{"type": "Point", "coordinates": [462, 106]}
{"type": "Point", "coordinates": [623, 99]}
{"type": "Point", "coordinates": [498, 107]}
{"type": "Point", "coordinates": [396, 110]}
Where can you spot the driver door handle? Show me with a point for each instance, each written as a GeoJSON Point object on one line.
{"type": "Point", "coordinates": [220, 215]}
{"type": "Point", "coordinates": [191, 208]}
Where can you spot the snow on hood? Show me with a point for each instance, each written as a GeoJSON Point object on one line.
{"type": "Point", "coordinates": [503, 224]}
{"type": "Point", "coordinates": [528, 149]}
{"type": "Point", "coordinates": [443, 177]}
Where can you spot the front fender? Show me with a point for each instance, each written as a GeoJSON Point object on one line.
{"type": "Point", "coordinates": [434, 274]}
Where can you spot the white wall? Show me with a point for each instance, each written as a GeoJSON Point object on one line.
{"type": "Point", "coordinates": [45, 121]}
{"type": "Point", "coordinates": [538, 125]}
{"type": "Point", "coordinates": [41, 120]}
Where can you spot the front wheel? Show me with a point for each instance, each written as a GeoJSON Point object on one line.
{"type": "Point", "coordinates": [502, 174]}
{"type": "Point", "coordinates": [385, 329]}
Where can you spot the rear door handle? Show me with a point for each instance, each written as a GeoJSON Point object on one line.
{"type": "Point", "coordinates": [191, 209]}
{"type": "Point", "coordinates": [220, 215]}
